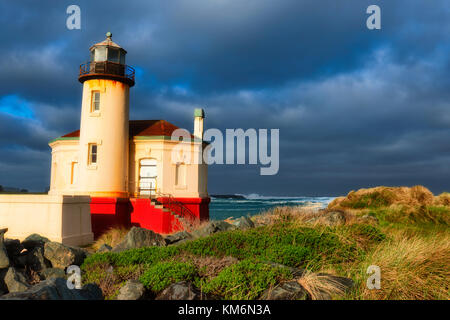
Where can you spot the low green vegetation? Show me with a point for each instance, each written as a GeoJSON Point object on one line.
{"type": "Point", "coordinates": [286, 243]}
{"type": "Point", "coordinates": [245, 280]}
{"type": "Point", "coordinates": [161, 274]}
{"type": "Point", "coordinates": [410, 242]}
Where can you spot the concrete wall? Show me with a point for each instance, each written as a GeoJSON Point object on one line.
{"type": "Point", "coordinates": [64, 219]}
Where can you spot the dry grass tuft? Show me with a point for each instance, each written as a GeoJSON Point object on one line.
{"type": "Point", "coordinates": [285, 214]}
{"type": "Point", "coordinates": [443, 199]}
{"type": "Point", "coordinates": [384, 197]}
{"type": "Point", "coordinates": [321, 286]}
{"type": "Point", "coordinates": [412, 268]}
{"type": "Point", "coordinates": [112, 237]}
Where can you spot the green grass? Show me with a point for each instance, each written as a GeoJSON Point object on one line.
{"type": "Point", "coordinates": [245, 280]}
{"type": "Point", "coordinates": [285, 243]}
{"type": "Point", "coordinates": [162, 274]}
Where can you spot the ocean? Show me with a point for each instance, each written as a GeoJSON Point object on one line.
{"type": "Point", "coordinates": [223, 206]}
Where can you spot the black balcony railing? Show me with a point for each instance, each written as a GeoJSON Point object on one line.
{"type": "Point", "coordinates": [107, 68]}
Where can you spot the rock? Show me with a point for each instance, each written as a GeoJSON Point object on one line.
{"type": "Point", "coordinates": [182, 291]}
{"type": "Point", "coordinates": [62, 256]}
{"type": "Point", "coordinates": [56, 289]}
{"type": "Point", "coordinates": [291, 290]}
{"type": "Point", "coordinates": [34, 240]}
{"type": "Point", "coordinates": [244, 223]}
{"type": "Point", "coordinates": [104, 248]}
{"type": "Point", "coordinates": [3, 286]}
{"type": "Point", "coordinates": [52, 273]}
{"type": "Point", "coordinates": [367, 219]}
{"type": "Point", "coordinates": [212, 227]}
{"type": "Point", "coordinates": [138, 238]}
{"type": "Point", "coordinates": [15, 281]}
{"type": "Point", "coordinates": [13, 247]}
{"type": "Point", "coordinates": [36, 261]}
{"type": "Point", "coordinates": [4, 260]}
{"type": "Point", "coordinates": [335, 218]}
{"type": "Point", "coordinates": [132, 290]}
{"type": "Point", "coordinates": [345, 283]}
{"type": "Point", "coordinates": [21, 260]}
{"type": "Point", "coordinates": [177, 237]}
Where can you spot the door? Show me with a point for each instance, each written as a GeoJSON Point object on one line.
{"type": "Point", "coordinates": [147, 177]}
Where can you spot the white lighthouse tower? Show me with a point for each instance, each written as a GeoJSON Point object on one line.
{"type": "Point", "coordinates": [104, 141]}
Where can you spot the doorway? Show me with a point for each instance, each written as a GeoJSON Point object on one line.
{"type": "Point", "coordinates": [147, 177]}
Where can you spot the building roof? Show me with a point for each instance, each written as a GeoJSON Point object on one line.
{"type": "Point", "coordinates": [108, 42]}
{"type": "Point", "coordinates": [138, 128]}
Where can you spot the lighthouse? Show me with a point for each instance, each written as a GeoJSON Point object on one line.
{"type": "Point", "coordinates": [114, 171]}
{"type": "Point", "coordinates": [125, 166]}
{"type": "Point", "coordinates": [104, 127]}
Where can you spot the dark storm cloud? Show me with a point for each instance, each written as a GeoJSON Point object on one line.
{"type": "Point", "coordinates": [354, 107]}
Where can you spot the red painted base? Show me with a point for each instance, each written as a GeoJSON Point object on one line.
{"type": "Point", "coordinates": [108, 213]}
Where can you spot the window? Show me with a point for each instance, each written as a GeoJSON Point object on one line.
{"type": "Point", "coordinates": [92, 153]}
{"type": "Point", "coordinates": [100, 54]}
{"type": "Point", "coordinates": [113, 55]}
{"type": "Point", "coordinates": [95, 101]}
{"type": "Point", "coordinates": [180, 174]}
{"type": "Point", "coordinates": [73, 175]}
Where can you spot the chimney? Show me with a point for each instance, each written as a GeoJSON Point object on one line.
{"type": "Point", "coordinates": [199, 115]}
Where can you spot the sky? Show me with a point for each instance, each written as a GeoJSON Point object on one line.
{"type": "Point", "coordinates": [355, 107]}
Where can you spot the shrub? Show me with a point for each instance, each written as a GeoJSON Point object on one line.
{"type": "Point", "coordinates": [148, 255]}
{"type": "Point", "coordinates": [110, 278]}
{"type": "Point", "coordinates": [245, 280]}
{"type": "Point", "coordinates": [281, 243]}
{"type": "Point", "coordinates": [162, 274]}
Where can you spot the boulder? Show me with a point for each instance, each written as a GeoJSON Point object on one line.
{"type": "Point", "coordinates": [4, 260]}
{"type": "Point", "coordinates": [335, 218]}
{"type": "Point", "coordinates": [244, 223]}
{"type": "Point", "coordinates": [56, 289]}
{"type": "Point", "coordinates": [330, 218]}
{"type": "Point", "coordinates": [132, 290]}
{"type": "Point", "coordinates": [13, 247]}
{"type": "Point", "coordinates": [3, 286]}
{"type": "Point", "coordinates": [52, 273]}
{"type": "Point", "coordinates": [177, 237]}
{"type": "Point", "coordinates": [15, 281]}
{"type": "Point", "coordinates": [62, 256]}
{"type": "Point", "coordinates": [138, 238]}
{"type": "Point", "coordinates": [36, 261]}
{"type": "Point", "coordinates": [34, 240]}
{"type": "Point", "coordinates": [182, 291]}
{"type": "Point", "coordinates": [343, 283]}
{"type": "Point", "coordinates": [20, 261]}
{"type": "Point", "coordinates": [290, 290]}
{"type": "Point", "coordinates": [104, 248]}
{"type": "Point", "coordinates": [212, 227]}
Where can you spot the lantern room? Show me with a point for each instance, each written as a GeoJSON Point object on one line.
{"type": "Point", "coordinates": [107, 61]}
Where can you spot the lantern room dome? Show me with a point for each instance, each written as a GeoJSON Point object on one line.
{"type": "Point", "coordinates": [107, 61]}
